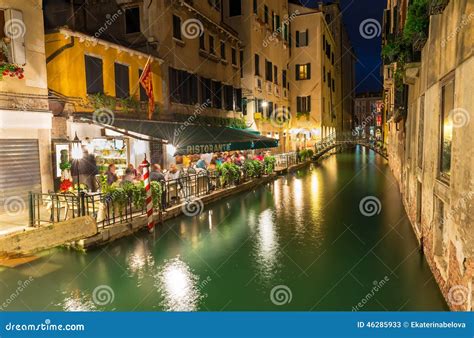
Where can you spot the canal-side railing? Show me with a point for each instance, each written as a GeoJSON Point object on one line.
{"type": "Point", "coordinates": [348, 138]}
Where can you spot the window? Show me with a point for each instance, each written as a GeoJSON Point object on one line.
{"type": "Point", "coordinates": [235, 7]}
{"type": "Point", "coordinates": [202, 42]}
{"type": "Point", "coordinates": [94, 75]}
{"type": "Point", "coordinates": [234, 56]}
{"type": "Point", "coordinates": [223, 56]}
{"type": "Point", "coordinates": [301, 38]}
{"type": "Point", "coordinates": [241, 55]}
{"type": "Point", "coordinates": [328, 50]}
{"type": "Point", "coordinates": [269, 112]}
{"type": "Point", "coordinates": [177, 27]}
{"type": "Point", "coordinates": [283, 78]}
{"type": "Point", "coordinates": [447, 105]}
{"type": "Point", "coordinates": [206, 90]}
{"type": "Point", "coordinates": [276, 23]}
{"type": "Point", "coordinates": [143, 95]}
{"type": "Point", "coordinates": [329, 79]}
{"type": "Point", "coordinates": [324, 74]}
{"type": "Point", "coordinates": [211, 45]}
{"type": "Point", "coordinates": [238, 99]}
{"type": "Point", "coordinates": [268, 71]}
{"type": "Point", "coordinates": [265, 13]}
{"type": "Point", "coordinates": [333, 85]}
{"type": "Point", "coordinates": [217, 94]}
{"type": "Point", "coordinates": [324, 42]}
{"type": "Point", "coordinates": [14, 50]}
{"type": "Point", "coordinates": [255, 6]}
{"type": "Point", "coordinates": [285, 31]}
{"type": "Point", "coordinates": [275, 74]}
{"type": "Point", "coordinates": [122, 81]}
{"type": "Point", "coordinates": [228, 97]}
{"type": "Point", "coordinates": [257, 65]}
{"type": "Point", "coordinates": [421, 126]}
{"type": "Point", "coordinates": [303, 72]}
{"type": "Point", "coordinates": [303, 104]}
{"type": "Point", "coordinates": [332, 58]}
{"type": "Point", "coordinates": [183, 87]}
{"type": "Point", "coordinates": [132, 20]}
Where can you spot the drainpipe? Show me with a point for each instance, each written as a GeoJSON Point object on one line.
{"type": "Point", "coordinates": [61, 49]}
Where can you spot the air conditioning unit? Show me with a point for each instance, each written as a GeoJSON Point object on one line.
{"type": "Point", "coordinates": [277, 91]}
{"type": "Point", "coordinates": [269, 87]}
{"type": "Point", "coordinates": [258, 83]}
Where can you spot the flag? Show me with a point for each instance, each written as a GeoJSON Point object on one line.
{"type": "Point", "coordinates": [146, 81]}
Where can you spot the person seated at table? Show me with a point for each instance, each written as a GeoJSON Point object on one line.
{"type": "Point", "coordinates": [132, 168]}
{"type": "Point", "coordinates": [212, 164]}
{"type": "Point", "coordinates": [190, 170]}
{"type": "Point", "coordinates": [201, 164]}
{"type": "Point", "coordinates": [259, 156]}
{"type": "Point", "coordinates": [156, 174]}
{"type": "Point", "coordinates": [128, 177]}
{"type": "Point", "coordinates": [173, 173]}
{"type": "Point", "coordinates": [111, 175]}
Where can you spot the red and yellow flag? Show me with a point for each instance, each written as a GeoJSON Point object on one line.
{"type": "Point", "coordinates": [146, 81]}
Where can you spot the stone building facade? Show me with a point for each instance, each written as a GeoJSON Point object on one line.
{"type": "Point", "coordinates": [431, 143]}
{"type": "Point", "coordinates": [25, 118]}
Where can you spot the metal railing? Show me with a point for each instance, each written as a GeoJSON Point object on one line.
{"type": "Point", "coordinates": [49, 208]}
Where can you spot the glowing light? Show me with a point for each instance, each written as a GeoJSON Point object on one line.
{"type": "Point", "coordinates": [264, 104]}
{"type": "Point", "coordinates": [76, 150]}
{"type": "Point", "coordinates": [170, 149]}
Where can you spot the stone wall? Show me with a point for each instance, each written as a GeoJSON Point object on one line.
{"type": "Point", "coordinates": [46, 237]}
{"type": "Point", "coordinates": [446, 233]}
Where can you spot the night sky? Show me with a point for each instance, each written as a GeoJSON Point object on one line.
{"type": "Point", "coordinates": [367, 50]}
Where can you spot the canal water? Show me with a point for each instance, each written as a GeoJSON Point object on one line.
{"type": "Point", "coordinates": [303, 242]}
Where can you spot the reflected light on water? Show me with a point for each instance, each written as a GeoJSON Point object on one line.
{"type": "Point", "coordinates": [178, 286]}
{"type": "Point", "coordinates": [267, 244]}
{"type": "Point", "coordinates": [77, 301]}
{"type": "Point", "coordinates": [140, 260]}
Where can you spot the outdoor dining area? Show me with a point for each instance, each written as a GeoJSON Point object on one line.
{"type": "Point", "coordinates": [205, 159]}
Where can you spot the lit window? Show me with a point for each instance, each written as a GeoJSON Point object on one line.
{"type": "Point", "coordinates": [447, 105]}
{"type": "Point", "coordinates": [303, 72]}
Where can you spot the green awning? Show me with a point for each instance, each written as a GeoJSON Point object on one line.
{"type": "Point", "coordinates": [190, 138]}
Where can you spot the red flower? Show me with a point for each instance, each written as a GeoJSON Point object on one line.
{"type": "Point", "coordinates": [65, 185]}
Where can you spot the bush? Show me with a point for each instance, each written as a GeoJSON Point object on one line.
{"type": "Point", "coordinates": [269, 164]}
{"type": "Point", "coordinates": [229, 172]}
{"type": "Point", "coordinates": [418, 20]}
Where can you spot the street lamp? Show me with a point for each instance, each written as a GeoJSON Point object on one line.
{"type": "Point", "coordinates": [76, 154]}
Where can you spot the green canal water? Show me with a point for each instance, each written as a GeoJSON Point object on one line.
{"type": "Point", "coordinates": [298, 243]}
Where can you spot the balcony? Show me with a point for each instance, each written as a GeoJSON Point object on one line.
{"type": "Point", "coordinates": [438, 6]}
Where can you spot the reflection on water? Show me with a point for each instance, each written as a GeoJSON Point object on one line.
{"type": "Point", "coordinates": [293, 231]}
{"type": "Point", "coordinates": [77, 301]}
{"type": "Point", "coordinates": [178, 286]}
{"type": "Point", "coordinates": [140, 261]}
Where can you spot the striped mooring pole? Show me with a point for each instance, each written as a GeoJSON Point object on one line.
{"type": "Point", "coordinates": [149, 200]}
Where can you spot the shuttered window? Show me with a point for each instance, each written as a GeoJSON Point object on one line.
{"type": "Point", "coordinates": [94, 75]}
{"type": "Point", "coordinates": [19, 170]}
{"type": "Point", "coordinates": [216, 94]}
{"type": "Point", "coordinates": [122, 81]}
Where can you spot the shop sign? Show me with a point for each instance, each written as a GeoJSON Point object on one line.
{"type": "Point", "coordinates": [208, 148]}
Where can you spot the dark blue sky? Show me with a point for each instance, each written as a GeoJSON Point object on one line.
{"type": "Point", "coordinates": [367, 50]}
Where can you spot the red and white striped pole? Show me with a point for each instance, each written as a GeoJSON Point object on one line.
{"type": "Point", "coordinates": [149, 200]}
